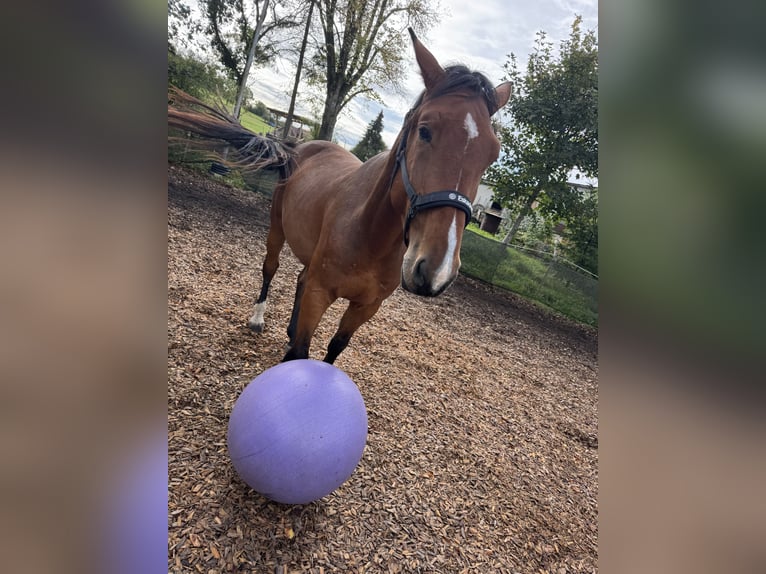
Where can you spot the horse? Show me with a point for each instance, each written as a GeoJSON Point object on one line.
{"type": "Point", "coordinates": [362, 229]}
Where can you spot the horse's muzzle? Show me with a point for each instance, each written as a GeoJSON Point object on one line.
{"type": "Point", "coordinates": [420, 281]}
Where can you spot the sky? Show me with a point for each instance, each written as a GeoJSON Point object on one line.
{"type": "Point", "coordinates": [478, 33]}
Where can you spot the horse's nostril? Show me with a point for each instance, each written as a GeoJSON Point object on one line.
{"type": "Point", "coordinates": [420, 273]}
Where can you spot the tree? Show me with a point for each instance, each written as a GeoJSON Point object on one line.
{"type": "Point", "coordinates": [372, 142]}
{"type": "Point", "coordinates": [260, 17]}
{"type": "Point", "coordinates": [581, 231]}
{"type": "Point", "coordinates": [180, 20]}
{"type": "Point", "coordinates": [197, 78]}
{"type": "Point", "coordinates": [238, 40]}
{"type": "Point", "coordinates": [298, 70]}
{"type": "Point", "coordinates": [554, 110]}
{"type": "Point", "coordinates": [362, 47]}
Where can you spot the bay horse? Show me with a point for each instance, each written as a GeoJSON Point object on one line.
{"type": "Point", "coordinates": [362, 229]}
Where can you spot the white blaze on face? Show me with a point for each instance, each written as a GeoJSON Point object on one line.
{"type": "Point", "coordinates": [444, 273]}
{"type": "Point", "coordinates": [470, 126]}
{"type": "Point", "coordinates": [473, 131]}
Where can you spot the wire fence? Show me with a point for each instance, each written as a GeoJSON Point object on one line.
{"type": "Point", "coordinates": [537, 275]}
{"type": "Point", "coordinates": [548, 255]}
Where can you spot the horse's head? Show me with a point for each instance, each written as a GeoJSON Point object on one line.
{"type": "Point", "coordinates": [445, 146]}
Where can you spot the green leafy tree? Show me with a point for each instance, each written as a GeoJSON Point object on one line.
{"type": "Point", "coordinates": [198, 78]}
{"type": "Point", "coordinates": [581, 232]}
{"type": "Point", "coordinates": [371, 143]}
{"type": "Point", "coordinates": [260, 109]}
{"type": "Point", "coordinates": [362, 48]}
{"type": "Point", "coordinates": [181, 26]}
{"type": "Point", "coordinates": [554, 114]}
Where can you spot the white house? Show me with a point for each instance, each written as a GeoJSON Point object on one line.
{"type": "Point", "coordinates": [483, 198]}
{"type": "Point", "coordinates": [490, 214]}
{"type": "Point", "coordinates": [487, 212]}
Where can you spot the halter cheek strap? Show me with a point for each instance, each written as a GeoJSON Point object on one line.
{"type": "Point", "coordinates": [445, 198]}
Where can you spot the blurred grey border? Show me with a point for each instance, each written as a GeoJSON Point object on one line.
{"type": "Point", "coordinates": [683, 137]}
{"type": "Point", "coordinates": [83, 282]}
{"type": "Point", "coordinates": [682, 180]}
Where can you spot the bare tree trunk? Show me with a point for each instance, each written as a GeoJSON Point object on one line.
{"type": "Point", "coordinates": [329, 116]}
{"type": "Point", "coordinates": [289, 118]}
{"type": "Point", "coordinates": [250, 56]}
{"type": "Point", "coordinates": [524, 212]}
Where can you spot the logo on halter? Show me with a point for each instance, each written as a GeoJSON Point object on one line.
{"type": "Point", "coordinates": [461, 198]}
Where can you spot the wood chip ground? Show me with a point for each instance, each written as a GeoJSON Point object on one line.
{"type": "Point", "coordinates": [482, 453]}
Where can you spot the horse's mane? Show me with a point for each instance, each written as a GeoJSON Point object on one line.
{"type": "Point", "coordinates": [460, 78]}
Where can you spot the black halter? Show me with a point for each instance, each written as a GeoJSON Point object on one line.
{"type": "Point", "coordinates": [445, 198]}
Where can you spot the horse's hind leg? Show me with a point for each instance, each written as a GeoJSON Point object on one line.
{"type": "Point", "coordinates": [354, 317]}
{"type": "Point", "coordinates": [274, 243]}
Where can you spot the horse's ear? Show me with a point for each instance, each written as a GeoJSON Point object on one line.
{"type": "Point", "coordinates": [503, 94]}
{"type": "Point", "coordinates": [430, 69]}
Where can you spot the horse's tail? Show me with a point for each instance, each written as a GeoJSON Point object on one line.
{"type": "Point", "coordinates": [245, 150]}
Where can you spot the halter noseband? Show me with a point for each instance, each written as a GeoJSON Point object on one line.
{"type": "Point", "coordinates": [445, 198]}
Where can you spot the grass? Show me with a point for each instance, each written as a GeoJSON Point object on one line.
{"type": "Point", "coordinates": [248, 119]}
{"type": "Point", "coordinates": [476, 229]}
{"type": "Point", "coordinates": [254, 123]}
{"type": "Point", "coordinates": [542, 281]}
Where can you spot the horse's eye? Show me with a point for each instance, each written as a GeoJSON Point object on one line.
{"type": "Point", "coordinates": [424, 133]}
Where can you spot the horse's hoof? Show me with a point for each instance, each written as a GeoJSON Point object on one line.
{"type": "Point", "coordinates": [291, 354]}
{"type": "Point", "coordinates": [256, 327]}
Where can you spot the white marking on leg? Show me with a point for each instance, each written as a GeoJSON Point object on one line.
{"type": "Point", "coordinates": [444, 274]}
{"type": "Point", "coordinates": [258, 312]}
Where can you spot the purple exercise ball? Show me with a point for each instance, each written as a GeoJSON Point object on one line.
{"type": "Point", "coordinates": [298, 431]}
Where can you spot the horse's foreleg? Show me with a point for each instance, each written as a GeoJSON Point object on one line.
{"type": "Point", "coordinates": [354, 317]}
{"type": "Point", "coordinates": [274, 243]}
{"type": "Point", "coordinates": [313, 305]}
{"type": "Point", "coordinates": [296, 305]}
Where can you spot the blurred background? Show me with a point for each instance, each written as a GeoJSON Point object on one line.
{"type": "Point", "coordinates": [83, 283]}
{"type": "Point", "coordinates": [683, 133]}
